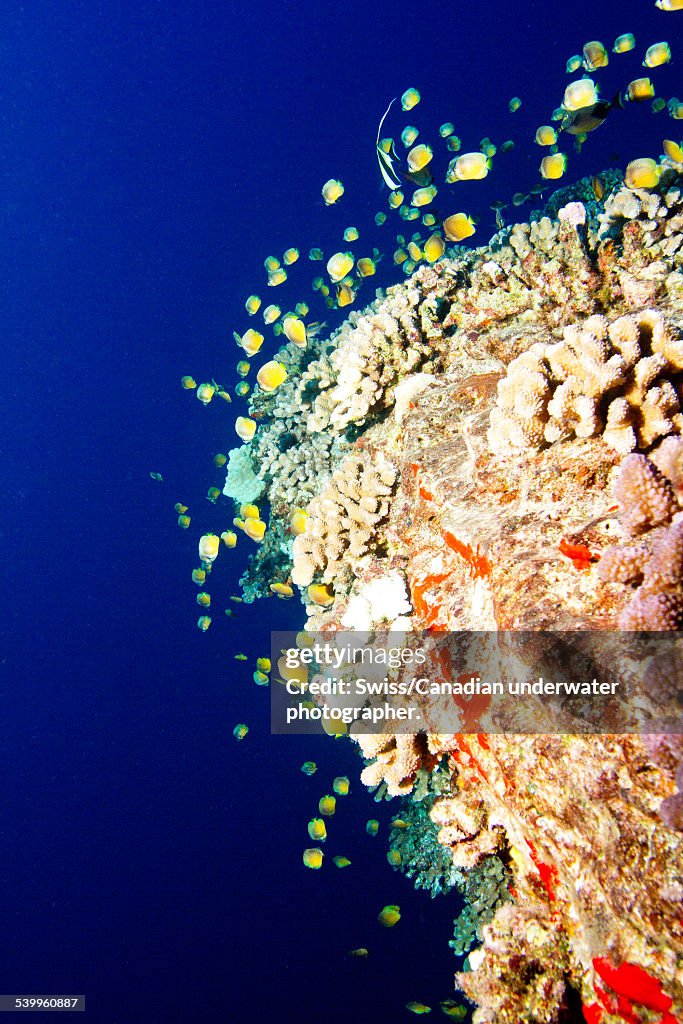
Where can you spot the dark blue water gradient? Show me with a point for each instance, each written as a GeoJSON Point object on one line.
{"type": "Point", "coordinates": [152, 155]}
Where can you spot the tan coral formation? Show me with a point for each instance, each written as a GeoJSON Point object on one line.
{"type": "Point", "coordinates": [613, 378]}
{"type": "Point", "coordinates": [396, 760]}
{"type": "Point", "coordinates": [344, 521]}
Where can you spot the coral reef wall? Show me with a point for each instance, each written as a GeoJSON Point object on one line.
{"type": "Point", "coordinates": [496, 442]}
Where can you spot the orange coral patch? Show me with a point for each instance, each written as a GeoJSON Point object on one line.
{"type": "Point", "coordinates": [465, 748]}
{"type": "Point", "coordinates": [592, 1013]}
{"type": "Point", "coordinates": [633, 983]}
{"type": "Point", "coordinates": [548, 873]}
{"type": "Point", "coordinates": [428, 613]}
{"type": "Point", "coordinates": [581, 556]}
{"type": "Point", "coordinates": [478, 563]}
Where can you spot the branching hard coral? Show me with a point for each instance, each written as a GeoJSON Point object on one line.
{"type": "Point", "coordinates": [658, 213]}
{"type": "Point", "coordinates": [371, 353]}
{"type": "Point", "coordinates": [485, 889]}
{"type": "Point", "coordinates": [343, 523]}
{"type": "Point", "coordinates": [653, 560]}
{"type": "Point", "coordinates": [422, 857]}
{"type": "Point", "coordinates": [617, 378]}
{"type": "Point", "coordinates": [291, 463]}
{"type": "Point", "coordinates": [397, 759]}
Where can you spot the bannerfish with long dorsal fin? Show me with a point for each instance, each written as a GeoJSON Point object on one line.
{"type": "Point", "coordinates": [587, 119]}
{"type": "Point", "coordinates": [386, 159]}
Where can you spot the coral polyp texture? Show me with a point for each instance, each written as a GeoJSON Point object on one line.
{"type": "Point", "coordinates": [495, 445]}
{"type": "Point", "coordinates": [652, 557]}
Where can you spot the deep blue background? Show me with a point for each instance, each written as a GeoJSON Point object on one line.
{"type": "Point", "coordinates": [152, 154]}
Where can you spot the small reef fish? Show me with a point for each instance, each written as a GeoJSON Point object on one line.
{"type": "Point", "coordinates": [317, 830]}
{"type": "Point", "coordinates": [327, 805]}
{"type": "Point", "coordinates": [419, 156]}
{"type": "Point", "coordinates": [360, 953]}
{"type": "Point", "coordinates": [156, 476]}
{"type": "Point", "coordinates": [418, 1008]}
{"type": "Point", "coordinates": [386, 160]}
{"type": "Point", "coordinates": [332, 191]}
{"type": "Point", "coordinates": [657, 54]}
{"type": "Point", "coordinates": [452, 1009]}
{"type": "Point", "coordinates": [598, 187]}
{"type": "Point", "coordinates": [673, 151]}
{"type": "Point", "coordinates": [341, 862]}
{"type": "Point", "coordinates": [410, 99]}
{"type": "Point", "coordinates": [241, 657]}
{"type": "Point", "coordinates": [389, 915]}
{"type": "Point", "coordinates": [595, 55]}
{"type": "Point", "coordinates": [545, 135]}
{"type": "Point", "coordinates": [205, 393]}
{"type": "Point", "coordinates": [313, 858]}
{"type": "Point", "coordinates": [642, 173]}
{"type": "Point", "coordinates": [316, 328]}
{"type": "Point", "coordinates": [580, 93]}
{"type": "Point", "coordinates": [458, 227]}
{"type": "Point", "coordinates": [624, 43]}
{"type": "Point", "coordinates": [587, 119]}
{"type": "Point", "coordinates": [553, 166]}
{"type": "Point", "coordinates": [408, 135]}
{"type": "Point", "coordinates": [639, 90]}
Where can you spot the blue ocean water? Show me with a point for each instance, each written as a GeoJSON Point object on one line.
{"type": "Point", "coordinates": [153, 154]}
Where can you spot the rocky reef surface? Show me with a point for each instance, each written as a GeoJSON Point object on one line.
{"type": "Point", "coordinates": [495, 444]}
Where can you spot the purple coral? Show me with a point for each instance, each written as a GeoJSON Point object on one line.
{"type": "Point", "coordinates": [645, 495]}
{"type": "Point", "coordinates": [648, 511]}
